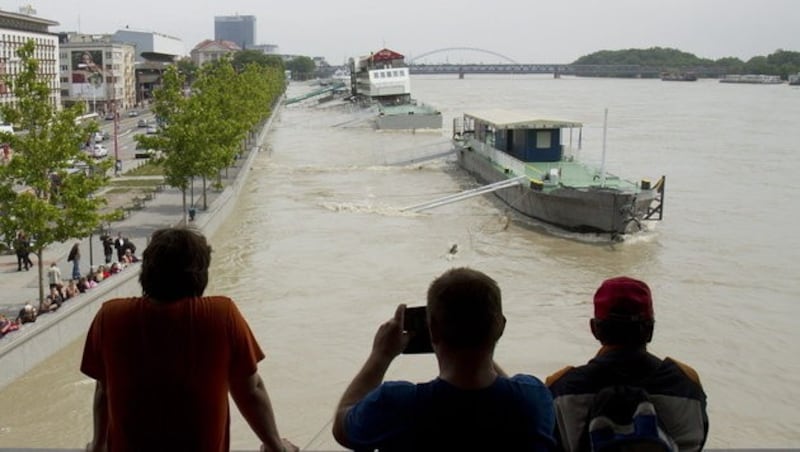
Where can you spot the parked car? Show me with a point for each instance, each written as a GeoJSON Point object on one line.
{"type": "Point", "coordinates": [99, 151]}
{"type": "Point", "coordinates": [144, 153]}
{"type": "Point", "coordinates": [152, 130]}
{"type": "Point", "coordinates": [141, 123]}
{"type": "Point", "coordinates": [98, 136]}
{"type": "Point", "coordinates": [110, 116]}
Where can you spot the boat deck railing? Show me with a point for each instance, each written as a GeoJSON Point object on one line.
{"type": "Point", "coordinates": [571, 173]}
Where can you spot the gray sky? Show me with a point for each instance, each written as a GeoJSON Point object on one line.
{"type": "Point", "coordinates": [528, 31]}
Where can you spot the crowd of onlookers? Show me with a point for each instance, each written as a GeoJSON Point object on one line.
{"type": "Point", "coordinates": [61, 290]}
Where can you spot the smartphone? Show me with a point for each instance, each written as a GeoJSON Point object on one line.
{"type": "Point", "coordinates": [416, 323]}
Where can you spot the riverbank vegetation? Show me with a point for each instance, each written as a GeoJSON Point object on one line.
{"type": "Point", "coordinates": [205, 126]}
{"type": "Point", "coordinates": [780, 62]}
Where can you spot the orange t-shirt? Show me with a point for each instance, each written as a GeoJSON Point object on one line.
{"type": "Point", "coordinates": [166, 369]}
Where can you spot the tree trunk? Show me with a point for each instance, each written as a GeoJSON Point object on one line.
{"type": "Point", "coordinates": [205, 199]}
{"type": "Point", "coordinates": [183, 193]}
{"type": "Point", "coordinates": [39, 254]}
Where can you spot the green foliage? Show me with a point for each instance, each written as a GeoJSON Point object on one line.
{"type": "Point", "coordinates": [244, 58]}
{"type": "Point", "coordinates": [654, 56]}
{"type": "Point", "coordinates": [202, 134]}
{"type": "Point", "coordinates": [780, 62]}
{"type": "Point", "coordinates": [40, 191]}
{"type": "Point", "coordinates": [302, 67]}
{"type": "Point", "coordinates": [786, 62]}
{"type": "Point", "coordinates": [187, 69]}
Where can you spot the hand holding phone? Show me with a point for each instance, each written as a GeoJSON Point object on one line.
{"type": "Point", "coordinates": [416, 324]}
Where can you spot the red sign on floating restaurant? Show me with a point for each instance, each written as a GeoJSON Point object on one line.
{"type": "Point", "coordinates": [386, 55]}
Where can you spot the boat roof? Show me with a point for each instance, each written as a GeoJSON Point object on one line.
{"type": "Point", "coordinates": [513, 119]}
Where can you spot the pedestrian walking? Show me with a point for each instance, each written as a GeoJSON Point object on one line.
{"type": "Point", "coordinates": [75, 258]}
{"type": "Point", "coordinates": [119, 245]}
{"type": "Point", "coordinates": [54, 276]}
{"type": "Point", "coordinates": [108, 247]}
{"type": "Point", "coordinates": [22, 247]}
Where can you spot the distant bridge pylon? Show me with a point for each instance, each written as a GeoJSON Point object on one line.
{"type": "Point", "coordinates": [452, 49]}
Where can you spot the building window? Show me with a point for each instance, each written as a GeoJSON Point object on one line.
{"type": "Point", "coordinates": [544, 140]}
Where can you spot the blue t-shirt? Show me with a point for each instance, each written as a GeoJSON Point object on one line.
{"type": "Point", "coordinates": [512, 414]}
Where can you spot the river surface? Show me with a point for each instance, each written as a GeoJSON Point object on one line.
{"type": "Point", "coordinates": [318, 253]}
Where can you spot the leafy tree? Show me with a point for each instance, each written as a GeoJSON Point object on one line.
{"type": "Point", "coordinates": [275, 62]}
{"type": "Point", "coordinates": [245, 57]}
{"type": "Point", "coordinates": [176, 137]}
{"type": "Point", "coordinates": [40, 191]}
{"type": "Point", "coordinates": [220, 112]}
{"type": "Point", "coordinates": [785, 62]}
{"type": "Point", "coordinates": [757, 65]}
{"type": "Point", "coordinates": [187, 69]}
{"type": "Point", "coordinates": [202, 134]}
{"type": "Point", "coordinates": [781, 62]}
{"type": "Point", "coordinates": [654, 56]}
{"type": "Point", "coordinates": [302, 67]}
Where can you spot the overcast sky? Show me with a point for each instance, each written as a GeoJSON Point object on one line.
{"type": "Point", "coordinates": [527, 31]}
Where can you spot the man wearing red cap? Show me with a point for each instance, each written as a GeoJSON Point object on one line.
{"type": "Point", "coordinates": [623, 323]}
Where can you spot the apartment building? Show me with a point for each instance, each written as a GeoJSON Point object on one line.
{"type": "Point", "coordinates": [97, 72]}
{"type": "Point", "coordinates": [209, 50]}
{"type": "Point", "coordinates": [15, 30]}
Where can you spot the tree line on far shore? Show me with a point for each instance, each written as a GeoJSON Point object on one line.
{"type": "Point", "coordinates": [781, 62]}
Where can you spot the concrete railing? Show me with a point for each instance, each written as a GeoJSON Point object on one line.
{"type": "Point", "coordinates": [22, 350]}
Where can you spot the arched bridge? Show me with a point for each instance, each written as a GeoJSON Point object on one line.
{"type": "Point", "coordinates": [509, 66]}
{"type": "Point", "coordinates": [455, 49]}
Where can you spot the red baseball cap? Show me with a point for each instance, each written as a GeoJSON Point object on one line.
{"type": "Point", "coordinates": [623, 298]}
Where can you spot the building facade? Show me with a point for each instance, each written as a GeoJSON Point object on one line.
{"type": "Point", "coordinates": [16, 30]}
{"type": "Point", "coordinates": [97, 72]}
{"type": "Point", "coordinates": [266, 49]}
{"type": "Point", "coordinates": [209, 50]}
{"type": "Point", "coordinates": [238, 29]}
{"type": "Point", "coordinates": [146, 42]}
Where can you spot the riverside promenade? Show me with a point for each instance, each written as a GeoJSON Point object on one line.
{"type": "Point", "coordinates": [23, 349]}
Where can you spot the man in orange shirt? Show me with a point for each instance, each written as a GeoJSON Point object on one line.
{"type": "Point", "coordinates": [164, 362]}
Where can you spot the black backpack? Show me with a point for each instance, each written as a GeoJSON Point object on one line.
{"type": "Point", "coordinates": [624, 419]}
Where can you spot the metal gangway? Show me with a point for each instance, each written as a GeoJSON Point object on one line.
{"type": "Point", "coordinates": [318, 92]}
{"type": "Point", "coordinates": [466, 194]}
{"type": "Point", "coordinates": [426, 158]}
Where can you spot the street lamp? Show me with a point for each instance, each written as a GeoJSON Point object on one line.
{"type": "Point", "coordinates": [115, 110]}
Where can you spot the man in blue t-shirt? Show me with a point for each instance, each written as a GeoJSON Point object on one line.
{"type": "Point", "coordinates": [471, 405]}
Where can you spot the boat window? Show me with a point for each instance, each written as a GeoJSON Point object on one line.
{"type": "Point", "coordinates": [544, 139]}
